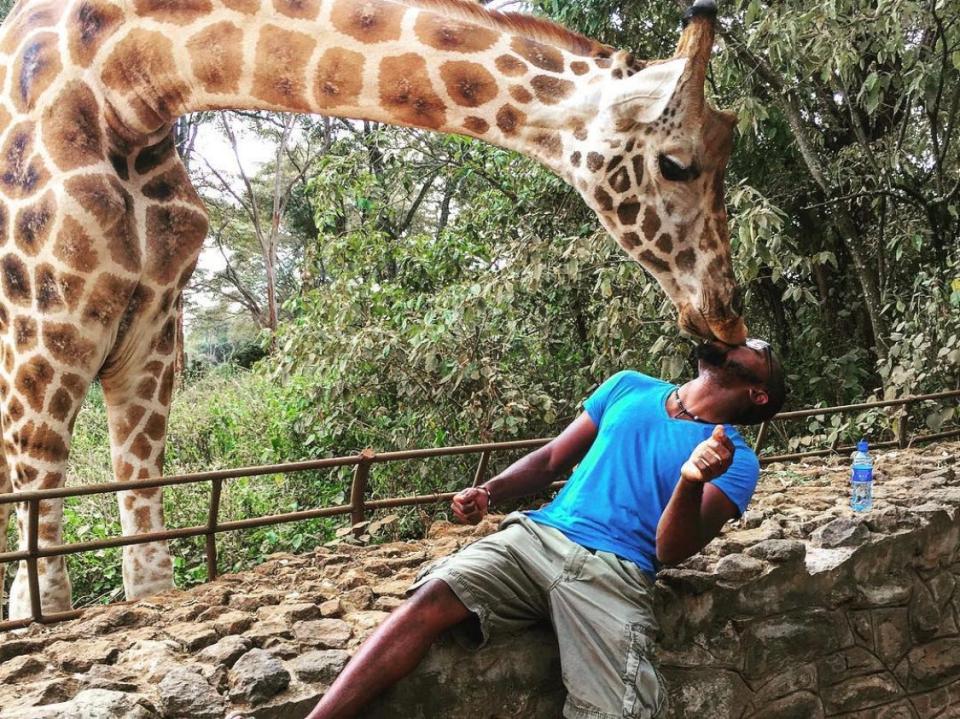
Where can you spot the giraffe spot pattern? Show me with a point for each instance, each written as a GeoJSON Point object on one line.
{"type": "Point", "coordinates": [451, 35]}
{"type": "Point", "coordinates": [216, 57]}
{"type": "Point", "coordinates": [40, 442]}
{"type": "Point", "coordinates": [298, 9]}
{"type": "Point", "coordinates": [34, 224]}
{"type": "Point", "coordinates": [620, 181]}
{"type": "Point", "coordinates": [281, 66]}
{"type": "Point", "coordinates": [141, 54]}
{"type": "Point", "coordinates": [147, 388]}
{"type": "Point", "coordinates": [476, 125]}
{"type": "Point", "coordinates": [594, 161]}
{"type": "Point", "coordinates": [33, 378]}
{"type": "Point", "coordinates": [665, 243]}
{"type": "Point", "coordinates": [67, 345]}
{"type": "Point", "coordinates": [468, 83]}
{"type": "Point", "coordinates": [139, 300]}
{"type": "Point", "coordinates": [24, 333]}
{"type": "Point", "coordinates": [35, 69]}
{"type": "Point", "coordinates": [366, 21]}
{"type": "Point", "coordinates": [156, 427]}
{"type": "Point", "coordinates": [166, 389]}
{"type": "Point", "coordinates": [549, 142]}
{"type": "Point", "coordinates": [71, 289]}
{"type": "Point", "coordinates": [520, 94]}
{"type": "Point", "coordinates": [36, 17]}
{"type": "Point", "coordinates": [551, 90]}
{"type": "Point", "coordinates": [130, 420]}
{"type": "Point", "coordinates": [637, 163]}
{"type": "Point", "coordinates": [71, 128]}
{"type": "Point", "coordinates": [180, 12]}
{"type": "Point", "coordinates": [630, 240]}
{"type": "Point", "coordinates": [15, 409]}
{"type": "Point", "coordinates": [112, 206]}
{"type": "Point", "coordinates": [168, 186]}
{"type": "Point", "coordinates": [248, 7]}
{"type": "Point", "coordinates": [154, 156]}
{"type": "Point", "coordinates": [61, 404]}
{"type": "Point", "coordinates": [167, 338]}
{"type": "Point", "coordinates": [579, 67]}
{"type": "Point", "coordinates": [510, 119]}
{"type": "Point", "coordinates": [604, 201]}
{"type": "Point", "coordinates": [542, 56]}
{"type": "Point", "coordinates": [406, 92]}
{"type": "Point", "coordinates": [107, 300]}
{"type": "Point", "coordinates": [172, 232]}
{"type": "Point", "coordinates": [651, 222]}
{"type": "Point", "coordinates": [47, 288]}
{"type": "Point", "coordinates": [93, 23]}
{"type": "Point", "coordinates": [510, 66]}
{"type": "Point", "coordinates": [16, 281]}
{"type": "Point", "coordinates": [141, 447]}
{"type": "Point", "coordinates": [652, 262]}
{"type": "Point", "coordinates": [627, 212]}
{"type": "Point", "coordinates": [22, 172]}
{"type": "Point", "coordinates": [686, 260]}
{"type": "Point", "coordinates": [575, 159]}
{"type": "Point", "coordinates": [339, 78]}
{"type": "Point", "coordinates": [74, 247]}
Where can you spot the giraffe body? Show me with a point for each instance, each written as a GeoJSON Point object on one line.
{"type": "Point", "coordinates": [101, 228]}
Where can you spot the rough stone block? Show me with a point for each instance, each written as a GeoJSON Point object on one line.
{"type": "Point", "coordinates": [776, 643]}
{"type": "Point", "coordinates": [257, 676]}
{"type": "Point", "coordinates": [799, 705]}
{"type": "Point", "coordinates": [323, 633]}
{"type": "Point", "coordinates": [861, 693]}
{"type": "Point", "coordinates": [184, 693]}
{"type": "Point", "coordinates": [322, 665]}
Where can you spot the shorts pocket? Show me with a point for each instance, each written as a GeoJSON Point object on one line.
{"type": "Point", "coordinates": [645, 694]}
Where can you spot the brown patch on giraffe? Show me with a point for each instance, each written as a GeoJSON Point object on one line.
{"type": "Point", "coordinates": [665, 243]}
{"type": "Point", "coordinates": [468, 83]}
{"type": "Point", "coordinates": [627, 212]}
{"type": "Point", "coordinates": [280, 68]}
{"type": "Point", "coordinates": [520, 93]}
{"type": "Point", "coordinates": [141, 447]}
{"type": "Point", "coordinates": [129, 422]}
{"type": "Point", "coordinates": [24, 333]}
{"type": "Point", "coordinates": [630, 240]}
{"type": "Point", "coordinates": [146, 388]}
{"type": "Point", "coordinates": [15, 408]}
{"type": "Point", "coordinates": [406, 92]}
{"type": "Point", "coordinates": [21, 23]}
{"type": "Point", "coordinates": [575, 159]}
{"type": "Point", "coordinates": [67, 345]}
{"type": "Point", "coordinates": [40, 442]}
{"type": "Point", "coordinates": [249, 7]}
{"type": "Point", "coordinates": [366, 21]}
{"type": "Point", "coordinates": [51, 480]}
{"type": "Point", "coordinates": [22, 172]}
{"type": "Point", "coordinates": [166, 386]}
{"type": "Point", "coordinates": [180, 12]}
{"type": "Point", "coordinates": [107, 300]}
{"type": "Point", "coordinates": [510, 119]}
{"type": "Point", "coordinates": [551, 90]}
{"type": "Point", "coordinates": [25, 474]}
{"type": "Point", "coordinates": [33, 225]}
{"type": "Point", "coordinates": [32, 380]}
{"type": "Point", "coordinates": [61, 403]}
{"type": "Point", "coordinates": [173, 184]}
{"type": "Point", "coordinates": [603, 199]}
{"type": "Point", "coordinates": [614, 162]}
{"type": "Point", "coordinates": [171, 233]}
{"type": "Point", "coordinates": [298, 9]}
{"type": "Point", "coordinates": [47, 288]}
{"type": "Point", "coordinates": [651, 222]}
{"type": "Point", "coordinates": [74, 383]}
{"type": "Point", "coordinates": [154, 156]}
{"type": "Point", "coordinates": [620, 181]}
{"type": "Point", "coordinates": [444, 33]}
{"type": "Point", "coordinates": [638, 168]}
{"type": "Point", "coordinates": [650, 259]}
{"type": "Point", "coordinates": [92, 24]}
{"type": "Point", "coordinates": [124, 472]}
{"type": "Point", "coordinates": [550, 142]}
{"type": "Point", "coordinates": [71, 289]}
{"type": "Point", "coordinates": [216, 57]}
{"type": "Point", "coordinates": [155, 368]}
{"type": "Point", "coordinates": [4, 320]}
{"type": "Point", "coordinates": [686, 260]}
{"type": "Point", "coordinates": [147, 54]}
{"type": "Point", "coordinates": [36, 67]}
{"type": "Point", "coordinates": [16, 280]}
{"type": "Point", "coordinates": [112, 206]}
{"type": "Point", "coordinates": [579, 67]}
{"type": "Point", "coordinates": [71, 128]}
{"type": "Point", "coordinates": [594, 161]}
{"type": "Point", "coordinates": [138, 302]}
{"type": "Point", "coordinates": [339, 78]}
{"type": "Point", "coordinates": [141, 517]}
{"type": "Point", "coordinates": [510, 66]}
{"type": "Point", "coordinates": [476, 125]}
{"type": "Point", "coordinates": [156, 426]}
{"type": "Point", "coordinates": [166, 340]}
{"type": "Point", "coordinates": [578, 128]}
{"type": "Point", "coordinates": [543, 56]}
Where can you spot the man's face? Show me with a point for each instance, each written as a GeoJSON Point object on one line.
{"type": "Point", "coordinates": [740, 364]}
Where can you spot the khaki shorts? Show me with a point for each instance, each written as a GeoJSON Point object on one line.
{"type": "Point", "coordinates": [601, 608]}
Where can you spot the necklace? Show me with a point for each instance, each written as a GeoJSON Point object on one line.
{"type": "Point", "coordinates": [684, 410]}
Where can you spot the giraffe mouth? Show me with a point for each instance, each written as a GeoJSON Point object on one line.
{"type": "Point", "coordinates": [731, 331]}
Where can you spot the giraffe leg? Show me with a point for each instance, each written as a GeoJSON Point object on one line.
{"type": "Point", "coordinates": [5, 488]}
{"type": "Point", "coordinates": [138, 394]}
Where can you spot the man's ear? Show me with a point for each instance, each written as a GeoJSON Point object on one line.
{"type": "Point", "coordinates": [644, 96]}
{"type": "Point", "coordinates": [759, 396]}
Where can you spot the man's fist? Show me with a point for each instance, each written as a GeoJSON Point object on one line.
{"type": "Point", "coordinates": [710, 458]}
{"type": "Point", "coordinates": [470, 505]}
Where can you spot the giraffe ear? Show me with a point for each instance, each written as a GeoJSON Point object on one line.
{"type": "Point", "coordinates": [644, 96]}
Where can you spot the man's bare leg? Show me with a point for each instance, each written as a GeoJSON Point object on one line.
{"type": "Point", "coordinates": [393, 650]}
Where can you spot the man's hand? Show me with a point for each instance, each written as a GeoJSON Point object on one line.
{"type": "Point", "coordinates": [470, 505]}
{"type": "Point", "coordinates": [710, 458]}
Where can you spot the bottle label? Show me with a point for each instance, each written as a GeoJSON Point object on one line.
{"type": "Point", "coordinates": [862, 474]}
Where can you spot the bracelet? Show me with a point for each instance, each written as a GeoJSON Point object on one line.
{"type": "Point", "coordinates": [489, 496]}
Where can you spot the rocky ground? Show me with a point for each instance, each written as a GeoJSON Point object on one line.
{"type": "Point", "coordinates": [267, 643]}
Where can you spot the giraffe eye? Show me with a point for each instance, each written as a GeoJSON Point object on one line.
{"type": "Point", "coordinates": [672, 170]}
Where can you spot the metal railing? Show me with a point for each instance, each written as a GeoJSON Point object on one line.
{"type": "Point", "coordinates": [359, 504]}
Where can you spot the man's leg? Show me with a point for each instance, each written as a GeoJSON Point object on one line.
{"type": "Point", "coordinates": [393, 650]}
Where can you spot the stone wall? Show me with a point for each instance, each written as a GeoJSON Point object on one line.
{"type": "Point", "coordinates": [798, 610]}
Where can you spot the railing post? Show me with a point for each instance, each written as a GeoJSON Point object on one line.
{"type": "Point", "coordinates": [213, 518]}
{"type": "Point", "coordinates": [902, 425]}
{"type": "Point", "coordinates": [358, 489]}
{"type": "Point", "coordinates": [33, 576]}
{"type": "Point", "coordinates": [481, 468]}
{"type": "Point", "coordinates": [761, 436]}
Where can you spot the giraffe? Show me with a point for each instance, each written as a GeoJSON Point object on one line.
{"type": "Point", "coordinates": [101, 227]}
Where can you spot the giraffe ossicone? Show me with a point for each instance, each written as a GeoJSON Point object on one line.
{"type": "Point", "coordinates": [101, 227]}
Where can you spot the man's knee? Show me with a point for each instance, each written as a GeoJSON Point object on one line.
{"type": "Point", "coordinates": [437, 604]}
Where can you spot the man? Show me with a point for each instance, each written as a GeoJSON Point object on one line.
{"type": "Point", "coordinates": [659, 472]}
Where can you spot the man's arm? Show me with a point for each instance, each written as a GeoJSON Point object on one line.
{"type": "Point", "coordinates": [697, 510]}
{"type": "Point", "coordinates": [531, 473]}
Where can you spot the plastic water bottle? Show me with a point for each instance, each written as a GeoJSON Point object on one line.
{"type": "Point", "coordinates": [861, 479]}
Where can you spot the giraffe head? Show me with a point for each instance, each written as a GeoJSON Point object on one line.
{"type": "Point", "coordinates": [653, 170]}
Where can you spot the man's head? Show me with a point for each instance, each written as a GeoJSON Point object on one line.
{"type": "Point", "coordinates": [750, 374]}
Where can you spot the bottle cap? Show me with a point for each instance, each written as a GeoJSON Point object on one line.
{"type": "Point", "coordinates": [862, 445]}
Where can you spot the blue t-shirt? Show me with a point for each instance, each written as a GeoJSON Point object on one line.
{"type": "Point", "coordinates": [615, 496]}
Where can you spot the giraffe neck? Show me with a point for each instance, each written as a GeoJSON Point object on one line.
{"type": "Point", "coordinates": [455, 70]}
